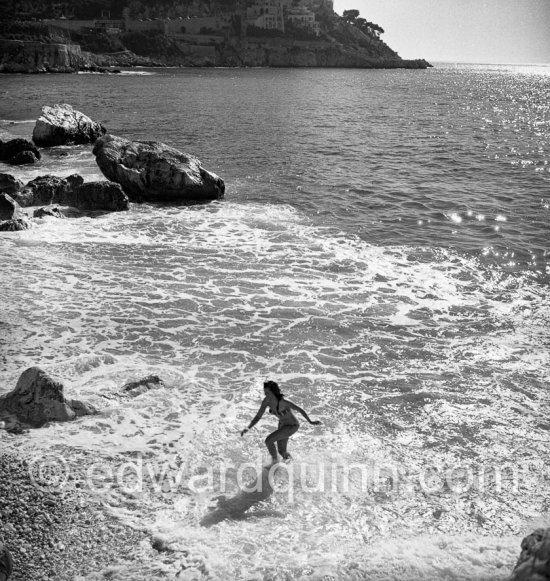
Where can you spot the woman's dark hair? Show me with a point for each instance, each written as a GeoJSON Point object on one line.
{"type": "Point", "coordinates": [274, 389]}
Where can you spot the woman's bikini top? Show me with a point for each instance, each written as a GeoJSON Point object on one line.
{"type": "Point", "coordinates": [279, 413]}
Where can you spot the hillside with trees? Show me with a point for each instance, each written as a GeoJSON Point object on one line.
{"type": "Point", "coordinates": [347, 40]}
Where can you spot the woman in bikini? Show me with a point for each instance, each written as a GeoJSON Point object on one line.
{"type": "Point", "coordinates": [288, 424]}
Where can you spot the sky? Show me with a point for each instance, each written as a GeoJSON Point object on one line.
{"type": "Point", "coordinates": [470, 31]}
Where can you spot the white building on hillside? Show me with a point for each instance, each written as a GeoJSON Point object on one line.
{"type": "Point", "coordinates": [302, 17]}
{"type": "Point", "coordinates": [266, 14]}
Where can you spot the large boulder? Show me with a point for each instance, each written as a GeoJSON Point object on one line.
{"type": "Point", "coordinates": [9, 208]}
{"type": "Point", "coordinates": [153, 171]}
{"type": "Point", "coordinates": [61, 125]}
{"type": "Point", "coordinates": [10, 149]}
{"type": "Point", "coordinates": [38, 398]}
{"type": "Point", "coordinates": [9, 184]}
{"type": "Point", "coordinates": [96, 196]}
{"type": "Point", "coordinates": [534, 560]}
{"type": "Point", "coordinates": [6, 563]}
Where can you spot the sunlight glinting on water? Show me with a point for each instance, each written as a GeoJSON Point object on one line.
{"type": "Point", "coordinates": [383, 257]}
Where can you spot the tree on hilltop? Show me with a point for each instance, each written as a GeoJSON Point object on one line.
{"type": "Point", "coordinates": [350, 15]}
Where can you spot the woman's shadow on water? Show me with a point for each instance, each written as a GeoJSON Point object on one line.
{"type": "Point", "coordinates": [236, 507]}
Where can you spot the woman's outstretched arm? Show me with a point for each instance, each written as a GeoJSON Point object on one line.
{"type": "Point", "coordinates": [256, 418]}
{"type": "Point", "coordinates": [303, 412]}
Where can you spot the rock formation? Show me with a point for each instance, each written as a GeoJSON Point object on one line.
{"type": "Point", "coordinates": [95, 196]}
{"type": "Point", "coordinates": [47, 189]}
{"type": "Point", "coordinates": [135, 388]}
{"type": "Point", "coordinates": [20, 56]}
{"type": "Point", "coordinates": [9, 184]}
{"type": "Point", "coordinates": [72, 191]}
{"type": "Point", "coordinates": [18, 151]}
{"type": "Point", "coordinates": [534, 561]}
{"type": "Point", "coordinates": [61, 124]}
{"type": "Point", "coordinates": [12, 218]}
{"type": "Point", "coordinates": [23, 158]}
{"type": "Point", "coordinates": [153, 171]}
{"type": "Point", "coordinates": [38, 398]}
{"type": "Point", "coordinates": [52, 211]}
{"type": "Point", "coordinates": [9, 208]}
{"type": "Point", "coordinates": [14, 225]}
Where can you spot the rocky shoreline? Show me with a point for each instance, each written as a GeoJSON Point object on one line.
{"type": "Point", "coordinates": [135, 171]}
{"type": "Point", "coordinates": [54, 521]}
{"type": "Point", "coordinates": [18, 56]}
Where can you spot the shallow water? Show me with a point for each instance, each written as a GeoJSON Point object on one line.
{"type": "Point", "coordinates": [381, 252]}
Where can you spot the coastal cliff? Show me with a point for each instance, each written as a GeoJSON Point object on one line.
{"type": "Point", "coordinates": [251, 52]}
{"type": "Point", "coordinates": [17, 56]}
{"type": "Point", "coordinates": [226, 39]}
{"type": "Point", "coordinates": [21, 56]}
{"type": "Point", "coordinates": [305, 54]}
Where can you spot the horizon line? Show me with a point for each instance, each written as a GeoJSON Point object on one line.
{"type": "Point", "coordinates": [484, 62]}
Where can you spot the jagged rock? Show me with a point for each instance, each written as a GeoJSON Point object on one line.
{"type": "Point", "coordinates": [38, 398]}
{"type": "Point", "coordinates": [9, 184]}
{"type": "Point", "coordinates": [72, 191]}
{"type": "Point", "coordinates": [6, 563]}
{"type": "Point", "coordinates": [9, 149]}
{"type": "Point", "coordinates": [14, 225]}
{"type": "Point", "coordinates": [61, 125]}
{"type": "Point", "coordinates": [52, 211]}
{"type": "Point", "coordinates": [153, 171]}
{"type": "Point", "coordinates": [96, 196]}
{"type": "Point", "coordinates": [9, 208]}
{"type": "Point", "coordinates": [534, 560]}
{"type": "Point", "coordinates": [45, 190]}
{"type": "Point", "coordinates": [135, 388]}
{"type": "Point", "coordinates": [23, 158]}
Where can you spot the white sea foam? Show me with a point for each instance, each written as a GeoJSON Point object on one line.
{"type": "Point", "coordinates": [400, 351]}
{"type": "Point", "coordinates": [138, 73]}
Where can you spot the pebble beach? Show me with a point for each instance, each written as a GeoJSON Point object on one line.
{"type": "Point", "coordinates": [59, 534]}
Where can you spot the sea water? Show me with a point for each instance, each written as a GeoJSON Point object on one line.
{"type": "Point", "coordinates": [381, 252]}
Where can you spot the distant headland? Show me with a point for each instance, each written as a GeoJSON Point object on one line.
{"type": "Point", "coordinates": [96, 36]}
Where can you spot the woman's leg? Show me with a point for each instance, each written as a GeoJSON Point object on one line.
{"type": "Point", "coordinates": [280, 436]}
{"type": "Point", "coordinates": [281, 447]}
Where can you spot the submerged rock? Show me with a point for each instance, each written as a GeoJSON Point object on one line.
{"type": "Point", "coordinates": [161, 545]}
{"type": "Point", "coordinates": [52, 211]}
{"type": "Point", "coordinates": [61, 125]}
{"type": "Point", "coordinates": [534, 560]}
{"type": "Point", "coordinates": [6, 563]}
{"type": "Point", "coordinates": [135, 388]}
{"type": "Point", "coordinates": [38, 398]}
{"type": "Point", "coordinates": [9, 184]}
{"type": "Point", "coordinates": [153, 171]}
